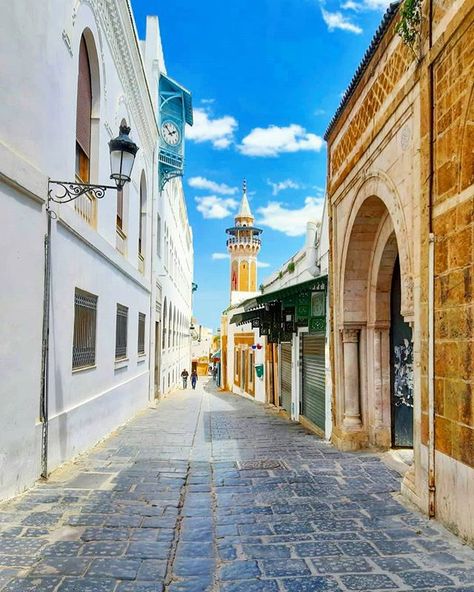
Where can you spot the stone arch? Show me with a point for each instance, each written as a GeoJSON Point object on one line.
{"type": "Point", "coordinates": [375, 236]}
{"type": "Point", "coordinates": [376, 197]}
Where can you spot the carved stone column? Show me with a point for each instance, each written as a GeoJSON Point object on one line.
{"type": "Point", "coordinates": [350, 339]}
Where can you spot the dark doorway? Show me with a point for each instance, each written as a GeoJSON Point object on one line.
{"type": "Point", "coordinates": [401, 368]}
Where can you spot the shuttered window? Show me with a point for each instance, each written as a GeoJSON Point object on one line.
{"type": "Point", "coordinates": [84, 339]}
{"type": "Point", "coordinates": [83, 114]}
{"type": "Point", "coordinates": [120, 209]}
{"type": "Point", "coordinates": [141, 333]}
{"type": "Point", "coordinates": [121, 332]}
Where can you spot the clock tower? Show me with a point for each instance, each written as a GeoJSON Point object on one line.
{"type": "Point", "coordinates": [243, 246]}
{"type": "Point", "coordinates": [175, 111]}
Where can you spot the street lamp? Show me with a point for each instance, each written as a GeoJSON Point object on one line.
{"type": "Point", "coordinates": [122, 156]}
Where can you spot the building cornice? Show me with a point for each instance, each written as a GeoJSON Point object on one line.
{"type": "Point", "coordinates": [115, 18]}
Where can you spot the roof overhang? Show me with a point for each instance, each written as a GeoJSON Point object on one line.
{"type": "Point", "coordinates": [187, 97]}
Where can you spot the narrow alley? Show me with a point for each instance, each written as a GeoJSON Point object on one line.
{"type": "Point", "coordinates": [213, 492]}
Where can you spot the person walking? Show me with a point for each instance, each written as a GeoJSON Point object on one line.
{"type": "Point", "coordinates": [184, 376]}
{"type": "Point", "coordinates": [194, 379]}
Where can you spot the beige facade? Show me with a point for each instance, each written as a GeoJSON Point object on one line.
{"type": "Point", "coordinates": [400, 194]}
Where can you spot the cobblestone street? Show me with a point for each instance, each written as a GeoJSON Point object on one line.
{"type": "Point", "coordinates": [163, 505]}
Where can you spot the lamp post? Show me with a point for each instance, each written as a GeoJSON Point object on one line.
{"type": "Point", "coordinates": [122, 156]}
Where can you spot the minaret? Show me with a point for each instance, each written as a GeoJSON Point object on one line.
{"type": "Point", "coordinates": [243, 245]}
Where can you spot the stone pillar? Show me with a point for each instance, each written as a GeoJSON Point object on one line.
{"type": "Point", "coordinates": [350, 339]}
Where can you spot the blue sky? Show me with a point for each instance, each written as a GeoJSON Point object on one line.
{"type": "Point", "coordinates": [266, 77]}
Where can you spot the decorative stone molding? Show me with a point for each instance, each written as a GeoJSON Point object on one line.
{"type": "Point", "coordinates": [407, 296]}
{"type": "Point", "coordinates": [115, 20]}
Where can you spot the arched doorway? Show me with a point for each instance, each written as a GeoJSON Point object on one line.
{"type": "Point", "coordinates": [375, 347]}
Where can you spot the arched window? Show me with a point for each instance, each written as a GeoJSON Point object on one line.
{"type": "Point", "coordinates": [142, 226]}
{"type": "Point", "coordinates": [170, 325]}
{"type": "Point", "coordinates": [83, 114]}
{"type": "Point", "coordinates": [163, 345]}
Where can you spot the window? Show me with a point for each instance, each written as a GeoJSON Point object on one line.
{"type": "Point", "coordinates": [141, 333]}
{"type": "Point", "coordinates": [121, 326]}
{"type": "Point", "coordinates": [83, 115]}
{"type": "Point", "coordinates": [164, 322]}
{"type": "Point", "coordinates": [142, 226]}
{"type": "Point", "coordinates": [119, 219]}
{"type": "Point", "coordinates": [85, 319]}
{"type": "Point", "coordinates": [158, 235]}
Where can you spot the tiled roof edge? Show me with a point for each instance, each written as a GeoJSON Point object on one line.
{"type": "Point", "coordinates": [376, 39]}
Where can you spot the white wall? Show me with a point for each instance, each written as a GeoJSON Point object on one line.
{"type": "Point", "coordinates": [37, 141]}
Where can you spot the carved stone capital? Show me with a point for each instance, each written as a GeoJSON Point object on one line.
{"type": "Point", "coordinates": [350, 334]}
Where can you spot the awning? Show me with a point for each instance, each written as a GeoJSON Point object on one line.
{"type": "Point", "coordinates": [284, 294]}
{"type": "Point", "coordinates": [216, 355]}
{"type": "Point", "coordinates": [187, 98]}
{"type": "Point", "coordinates": [245, 317]}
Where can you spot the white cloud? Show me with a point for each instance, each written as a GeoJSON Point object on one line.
{"type": "Point", "coordinates": [282, 185]}
{"type": "Point", "coordinates": [212, 206]}
{"type": "Point", "coordinates": [274, 140]}
{"type": "Point", "coordinates": [359, 5]}
{"type": "Point", "coordinates": [291, 222]}
{"type": "Point", "coordinates": [218, 131]}
{"type": "Point", "coordinates": [203, 183]}
{"type": "Point", "coordinates": [336, 20]}
{"type": "Point", "coordinates": [262, 264]}
{"type": "Point", "coordinates": [219, 256]}
{"type": "Point", "coordinates": [207, 101]}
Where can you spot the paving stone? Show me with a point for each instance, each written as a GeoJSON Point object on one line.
{"type": "Point", "coordinates": [140, 587]}
{"type": "Point", "coordinates": [62, 548]}
{"type": "Point", "coordinates": [358, 549]}
{"type": "Point", "coordinates": [34, 584]}
{"type": "Point", "coordinates": [123, 569]}
{"type": "Point", "coordinates": [239, 570]}
{"type": "Point", "coordinates": [314, 584]}
{"type": "Point", "coordinates": [423, 579]}
{"type": "Point", "coordinates": [251, 586]}
{"type": "Point", "coordinates": [266, 551]}
{"type": "Point", "coordinates": [279, 568]}
{"type": "Point", "coordinates": [368, 582]}
{"type": "Point", "coordinates": [329, 565]}
{"type": "Point", "coordinates": [152, 569]}
{"type": "Point", "coordinates": [191, 585]}
{"type": "Point", "coordinates": [184, 567]}
{"type": "Point", "coordinates": [317, 549]}
{"type": "Point", "coordinates": [395, 564]}
{"type": "Point", "coordinates": [87, 585]}
{"type": "Point", "coordinates": [148, 550]}
{"type": "Point", "coordinates": [465, 575]}
{"type": "Point", "coordinates": [66, 566]}
{"type": "Point", "coordinates": [103, 549]}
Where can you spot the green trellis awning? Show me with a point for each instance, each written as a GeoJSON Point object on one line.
{"type": "Point", "coordinates": [291, 294]}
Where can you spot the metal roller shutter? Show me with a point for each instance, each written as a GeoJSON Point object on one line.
{"type": "Point", "coordinates": [285, 361]}
{"type": "Point", "coordinates": [314, 407]}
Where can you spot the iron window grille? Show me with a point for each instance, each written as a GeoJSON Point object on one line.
{"type": "Point", "coordinates": [141, 333]}
{"type": "Point", "coordinates": [121, 332]}
{"type": "Point", "coordinates": [85, 320]}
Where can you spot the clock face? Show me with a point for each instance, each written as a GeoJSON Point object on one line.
{"type": "Point", "coordinates": [170, 133]}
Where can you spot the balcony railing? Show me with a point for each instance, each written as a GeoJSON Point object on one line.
{"type": "Point", "coordinates": [141, 263]}
{"type": "Point", "coordinates": [244, 241]}
{"type": "Point", "coordinates": [86, 207]}
{"type": "Point", "coordinates": [120, 240]}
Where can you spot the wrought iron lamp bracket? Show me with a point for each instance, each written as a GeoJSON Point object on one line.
{"type": "Point", "coordinates": [67, 191]}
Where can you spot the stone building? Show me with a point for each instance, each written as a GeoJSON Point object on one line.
{"type": "Point", "coordinates": [401, 205]}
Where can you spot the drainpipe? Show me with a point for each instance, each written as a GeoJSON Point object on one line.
{"type": "Point", "coordinates": [44, 392]}
{"type": "Point", "coordinates": [431, 255]}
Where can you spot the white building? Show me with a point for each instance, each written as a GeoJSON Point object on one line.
{"type": "Point", "coordinates": [174, 281]}
{"type": "Point", "coordinates": [70, 77]}
{"type": "Point", "coordinates": [284, 329]}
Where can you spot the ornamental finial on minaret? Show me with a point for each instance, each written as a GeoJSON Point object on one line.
{"type": "Point", "coordinates": [244, 211]}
